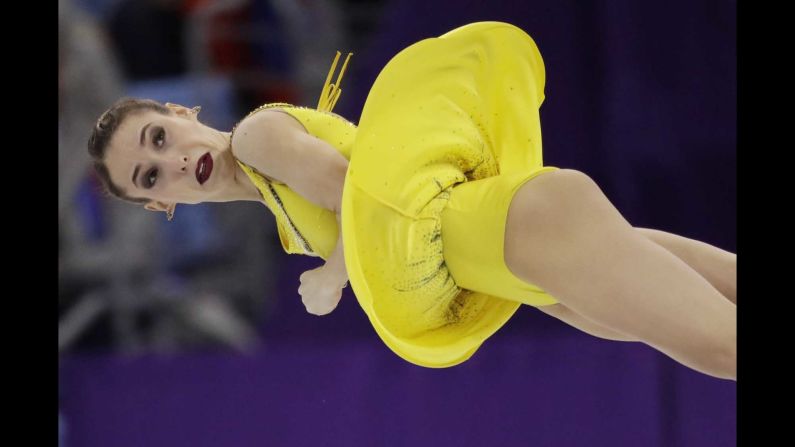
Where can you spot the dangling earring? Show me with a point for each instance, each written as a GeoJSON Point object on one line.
{"type": "Point", "coordinates": [196, 110]}
{"type": "Point", "coordinates": [170, 213]}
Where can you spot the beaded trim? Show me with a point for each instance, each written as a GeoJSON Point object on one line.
{"type": "Point", "coordinates": [307, 248]}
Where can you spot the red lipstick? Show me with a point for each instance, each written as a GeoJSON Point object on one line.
{"type": "Point", "coordinates": [204, 167]}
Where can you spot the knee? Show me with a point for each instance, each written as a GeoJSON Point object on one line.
{"type": "Point", "coordinates": [721, 360]}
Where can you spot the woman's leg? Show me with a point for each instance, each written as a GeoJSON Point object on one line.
{"type": "Point", "coordinates": [564, 236]}
{"type": "Point", "coordinates": [717, 266]}
{"type": "Point", "coordinates": [576, 320]}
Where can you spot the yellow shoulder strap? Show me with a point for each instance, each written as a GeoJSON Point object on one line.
{"type": "Point", "coordinates": [331, 92]}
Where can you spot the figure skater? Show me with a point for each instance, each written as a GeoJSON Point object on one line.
{"type": "Point", "coordinates": [437, 207]}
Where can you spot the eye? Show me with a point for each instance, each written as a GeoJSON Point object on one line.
{"type": "Point", "coordinates": [159, 137]}
{"type": "Point", "coordinates": [151, 178]}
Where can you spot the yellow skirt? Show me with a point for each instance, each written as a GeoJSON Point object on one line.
{"type": "Point", "coordinates": [449, 132]}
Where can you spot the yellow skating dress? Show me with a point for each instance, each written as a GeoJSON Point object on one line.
{"type": "Point", "coordinates": [450, 130]}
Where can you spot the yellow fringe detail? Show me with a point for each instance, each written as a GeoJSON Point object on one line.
{"type": "Point", "coordinates": [331, 91]}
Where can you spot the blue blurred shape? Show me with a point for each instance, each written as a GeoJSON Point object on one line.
{"type": "Point", "coordinates": [90, 209]}
{"type": "Point", "coordinates": [193, 238]}
{"type": "Point", "coordinates": [99, 9]}
{"type": "Point", "coordinates": [214, 93]}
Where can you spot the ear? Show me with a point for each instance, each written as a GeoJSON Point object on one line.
{"type": "Point", "coordinates": [178, 109]}
{"type": "Point", "coordinates": [157, 206]}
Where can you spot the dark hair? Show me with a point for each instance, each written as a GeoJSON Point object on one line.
{"type": "Point", "coordinates": [104, 130]}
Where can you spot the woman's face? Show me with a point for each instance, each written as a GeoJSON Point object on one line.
{"type": "Point", "coordinates": [169, 159]}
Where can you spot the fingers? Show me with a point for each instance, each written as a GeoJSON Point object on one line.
{"type": "Point", "coordinates": [319, 311]}
{"type": "Point", "coordinates": [318, 294]}
{"type": "Point", "coordinates": [319, 308]}
{"type": "Point", "coordinates": [321, 302]}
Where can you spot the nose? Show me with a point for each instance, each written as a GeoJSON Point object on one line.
{"type": "Point", "coordinates": [177, 164]}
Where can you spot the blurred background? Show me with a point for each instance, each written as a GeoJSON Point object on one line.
{"type": "Point", "coordinates": [192, 333]}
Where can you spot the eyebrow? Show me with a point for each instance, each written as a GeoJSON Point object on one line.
{"type": "Point", "coordinates": [143, 132]}
{"type": "Point", "coordinates": [135, 174]}
{"type": "Point", "coordinates": [138, 167]}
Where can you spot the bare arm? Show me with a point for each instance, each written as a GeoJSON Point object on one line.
{"type": "Point", "coordinates": [335, 264]}
{"type": "Point", "coordinates": [278, 145]}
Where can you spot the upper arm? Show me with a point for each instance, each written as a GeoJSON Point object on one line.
{"type": "Point", "coordinates": [577, 247]}
{"type": "Point", "coordinates": [277, 145]}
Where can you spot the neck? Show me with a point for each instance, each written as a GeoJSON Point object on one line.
{"type": "Point", "coordinates": [240, 188]}
{"type": "Point", "coordinates": [248, 190]}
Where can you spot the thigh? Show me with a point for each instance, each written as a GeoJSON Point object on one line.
{"type": "Point", "coordinates": [568, 316]}
{"type": "Point", "coordinates": [717, 266]}
{"type": "Point", "coordinates": [580, 250]}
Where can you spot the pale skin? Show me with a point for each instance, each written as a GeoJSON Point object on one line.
{"type": "Point", "coordinates": [611, 280]}
{"type": "Point", "coordinates": [155, 157]}
{"type": "Point", "coordinates": [619, 282]}
{"type": "Point", "coordinates": [717, 266]}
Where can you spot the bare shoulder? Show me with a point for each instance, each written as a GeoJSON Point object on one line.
{"type": "Point", "coordinates": [278, 146]}
{"type": "Point", "coordinates": [264, 127]}
{"type": "Point", "coordinates": [263, 137]}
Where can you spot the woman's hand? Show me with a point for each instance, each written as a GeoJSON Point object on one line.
{"type": "Point", "coordinates": [320, 290]}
